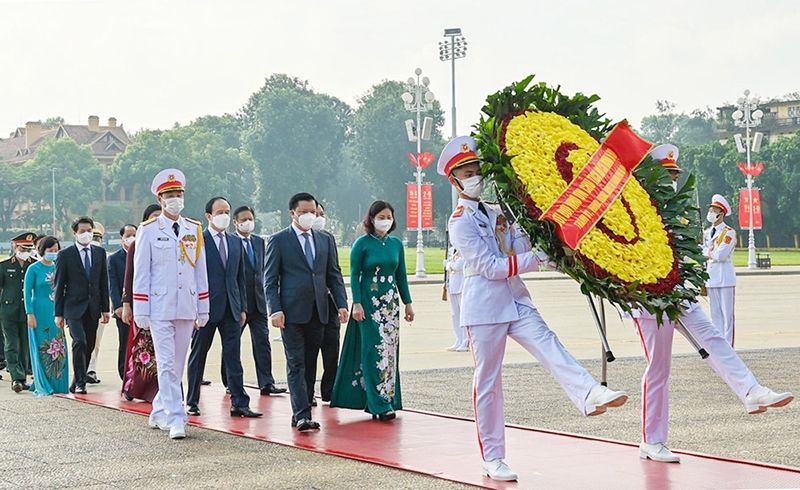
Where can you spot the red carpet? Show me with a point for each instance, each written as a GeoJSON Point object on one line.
{"type": "Point", "coordinates": [446, 447]}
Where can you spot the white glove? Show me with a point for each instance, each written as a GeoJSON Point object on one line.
{"type": "Point", "coordinates": [142, 322]}
{"type": "Point", "coordinates": [202, 319]}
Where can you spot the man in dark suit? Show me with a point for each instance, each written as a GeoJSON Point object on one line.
{"type": "Point", "coordinates": [255, 250]}
{"type": "Point", "coordinates": [116, 280]}
{"type": "Point", "coordinates": [81, 296]}
{"type": "Point", "coordinates": [301, 268]}
{"type": "Point", "coordinates": [227, 296]}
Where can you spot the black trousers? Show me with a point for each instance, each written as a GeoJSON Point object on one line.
{"type": "Point", "coordinates": [262, 350]}
{"type": "Point", "coordinates": [301, 343]}
{"type": "Point", "coordinates": [122, 331]}
{"type": "Point", "coordinates": [84, 336]}
{"type": "Point", "coordinates": [330, 352]}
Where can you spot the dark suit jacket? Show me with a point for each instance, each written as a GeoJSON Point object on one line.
{"type": "Point", "coordinates": [226, 289]}
{"type": "Point", "coordinates": [259, 251]}
{"type": "Point", "coordinates": [116, 276]}
{"type": "Point", "coordinates": [291, 285]}
{"type": "Point", "coordinates": [74, 292]}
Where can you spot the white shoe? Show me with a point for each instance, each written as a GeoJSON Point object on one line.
{"type": "Point", "coordinates": [453, 347]}
{"type": "Point", "coordinates": [464, 347]}
{"type": "Point", "coordinates": [657, 452]}
{"type": "Point", "coordinates": [279, 338]}
{"type": "Point", "coordinates": [497, 469]}
{"type": "Point", "coordinates": [761, 398]}
{"type": "Point", "coordinates": [601, 397]}
{"type": "Point", "coordinates": [177, 432]}
{"type": "Point", "coordinates": [158, 424]}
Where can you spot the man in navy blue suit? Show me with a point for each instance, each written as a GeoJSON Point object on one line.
{"type": "Point", "coordinates": [227, 298]}
{"type": "Point", "coordinates": [301, 268]}
{"type": "Point", "coordinates": [116, 280]}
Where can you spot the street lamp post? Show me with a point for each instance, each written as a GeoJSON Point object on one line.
{"type": "Point", "coordinates": [55, 230]}
{"type": "Point", "coordinates": [419, 99]}
{"type": "Point", "coordinates": [747, 116]}
{"type": "Point", "coordinates": [452, 50]}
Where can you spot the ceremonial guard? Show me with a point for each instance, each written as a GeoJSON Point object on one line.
{"type": "Point", "coordinates": [657, 345]}
{"type": "Point", "coordinates": [496, 305]}
{"type": "Point", "coordinates": [454, 267]}
{"type": "Point", "coordinates": [170, 294]}
{"type": "Point", "coordinates": [718, 244]}
{"type": "Point", "coordinates": [12, 309]}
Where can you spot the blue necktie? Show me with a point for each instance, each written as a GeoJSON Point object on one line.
{"type": "Point", "coordinates": [307, 250]}
{"type": "Point", "coordinates": [86, 264]}
{"type": "Point", "coordinates": [250, 253]}
{"type": "Point", "coordinates": [223, 252]}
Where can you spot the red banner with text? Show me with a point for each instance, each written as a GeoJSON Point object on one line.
{"type": "Point", "coordinates": [412, 206]}
{"type": "Point", "coordinates": [744, 209]}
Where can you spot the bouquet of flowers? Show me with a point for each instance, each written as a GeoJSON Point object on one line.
{"type": "Point", "coordinates": [643, 251]}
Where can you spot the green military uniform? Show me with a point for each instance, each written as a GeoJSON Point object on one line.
{"type": "Point", "coordinates": [12, 311]}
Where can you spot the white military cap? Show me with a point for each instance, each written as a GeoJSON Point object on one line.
{"type": "Point", "coordinates": [459, 151]}
{"type": "Point", "coordinates": [667, 156]}
{"type": "Point", "coordinates": [170, 179]}
{"type": "Point", "coordinates": [719, 201]}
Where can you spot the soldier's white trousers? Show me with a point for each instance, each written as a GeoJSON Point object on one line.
{"type": "Point", "coordinates": [721, 301]}
{"type": "Point", "coordinates": [171, 340]}
{"type": "Point", "coordinates": [657, 345]}
{"type": "Point", "coordinates": [488, 347]}
{"type": "Point", "coordinates": [455, 310]}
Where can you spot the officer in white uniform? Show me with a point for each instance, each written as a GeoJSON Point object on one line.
{"type": "Point", "coordinates": [495, 304]}
{"type": "Point", "coordinates": [170, 294]}
{"type": "Point", "coordinates": [454, 264]}
{"type": "Point", "coordinates": [657, 346]}
{"type": "Point", "coordinates": [718, 244]}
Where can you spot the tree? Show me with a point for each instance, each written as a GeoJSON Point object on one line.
{"type": "Point", "coordinates": [694, 129]}
{"type": "Point", "coordinates": [78, 177]}
{"type": "Point", "coordinates": [296, 137]}
{"type": "Point", "coordinates": [52, 122]}
{"type": "Point", "coordinates": [225, 125]}
{"type": "Point", "coordinates": [14, 185]}
{"type": "Point", "coordinates": [380, 147]}
{"type": "Point", "coordinates": [779, 183]}
{"type": "Point", "coordinates": [113, 216]}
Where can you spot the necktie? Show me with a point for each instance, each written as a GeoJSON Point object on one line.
{"type": "Point", "coordinates": [175, 228]}
{"type": "Point", "coordinates": [223, 253]}
{"type": "Point", "coordinates": [250, 253]}
{"type": "Point", "coordinates": [307, 250]}
{"type": "Point", "coordinates": [86, 264]}
{"type": "Point", "coordinates": [713, 231]}
{"type": "Point", "coordinates": [482, 209]}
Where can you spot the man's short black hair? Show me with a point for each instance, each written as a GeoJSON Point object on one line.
{"type": "Point", "coordinates": [242, 209]}
{"type": "Point", "coordinates": [122, 230]}
{"type": "Point", "coordinates": [302, 196]}
{"type": "Point", "coordinates": [81, 219]}
{"type": "Point", "coordinates": [210, 203]}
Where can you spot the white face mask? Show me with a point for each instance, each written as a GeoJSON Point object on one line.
{"type": "Point", "coordinates": [23, 256]}
{"type": "Point", "coordinates": [712, 217]}
{"type": "Point", "coordinates": [173, 205]}
{"type": "Point", "coordinates": [473, 186]}
{"type": "Point", "coordinates": [128, 240]}
{"type": "Point", "coordinates": [319, 223]}
{"type": "Point", "coordinates": [84, 238]}
{"type": "Point", "coordinates": [221, 221]}
{"type": "Point", "coordinates": [383, 225]}
{"type": "Point", "coordinates": [306, 221]}
{"type": "Point", "coordinates": [246, 226]}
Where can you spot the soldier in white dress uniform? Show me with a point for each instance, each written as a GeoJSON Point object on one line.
{"type": "Point", "coordinates": [718, 244]}
{"type": "Point", "coordinates": [170, 294]}
{"type": "Point", "coordinates": [454, 265]}
{"type": "Point", "coordinates": [495, 304]}
{"type": "Point", "coordinates": [657, 346]}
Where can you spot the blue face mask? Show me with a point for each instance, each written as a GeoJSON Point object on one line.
{"type": "Point", "coordinates": [51, 256]}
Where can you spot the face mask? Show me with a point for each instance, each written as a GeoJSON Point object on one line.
{"type": "Point", "coordinates": [306, 221]}
{"type": "Point", "coordinates": [675, 186]}
{"type": "Point", "coordinates": [319, 223]}
{"type": "Point", "coordinates": [221, 221]}
{"type": "Point", "coordinates": [23, 256]}
{"type": "Point", "coordinates": [246, 226]}
{"type": "Point", "coordinates": [173, 205]}
{"type": "Point", "coordinates": [84, 238]}
{"type": "Point", "coordinates": [473, 186]}
{"type": "Point", "coordinates": [50, 256]}
{"type": "Point", "coordinates": [127, 241]}
{"type": "Point", "coordinates": [383, 225]}
{"type": "Point", "coordinates": [712, 217]}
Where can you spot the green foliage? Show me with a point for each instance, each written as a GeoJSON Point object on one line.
{"type": "Point", "coordinates": [226, 126]}
{"type": "Point", "coordinates": [694, 129]}
{"type": "Point", "coordinates": [52, 122]}
{"type": "Point", "coordinates": [113, 216]}
{"type": "Point", "coordinates": [14, 184]}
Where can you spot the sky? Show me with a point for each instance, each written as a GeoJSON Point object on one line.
{"type": "Point", "coordinates": [151, 64]}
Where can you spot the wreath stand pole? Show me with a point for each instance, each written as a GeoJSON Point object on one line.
{"type": "Point", "coordinates": [604, 375]}
{"type": "Point", "coordinates": [691, 338]}
{"type": "Point", "coordinates": [609, 356]}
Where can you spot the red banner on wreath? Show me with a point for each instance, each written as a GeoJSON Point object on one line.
{"type": "Point", "coordinates": [592, 191]}
{"type": "Point", "coordinates": [412, 206]}
{"type": "Point", "coordinates": [744, 209]}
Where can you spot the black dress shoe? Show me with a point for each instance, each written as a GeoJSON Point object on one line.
{"type": "Point", "coordinates": [244, 412]}
{"type": "Point", "coordinates": [26, 386]}
{"type": "Point", "coordinates": [313, 402]}
{"type": "Point", "coordinates": [193, 410]}
{"type": "Point", "coordinates": [127, 396]}
{"type": "Point", "coordinates": [80, 390]}
{"type": "Point", "coordinates": [306, 424]}
{"type": "Point", "coordinates": [205, 382]}
{"type": "Point", "coordinates": [272, 390]}
{"type": "Point", "coordinates": [386, 416]}
{"type": "Point", "coordinates": [294, 423]}
{"type": "Point", "coordinates": [91, 378]}
{"type": "Point", "coordinates": [16, 386]}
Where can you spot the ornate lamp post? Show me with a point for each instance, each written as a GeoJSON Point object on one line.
{"type": "Point", "coordinates": [747, 116]}
{"type": "Point", "coordinates": [419, 99]}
